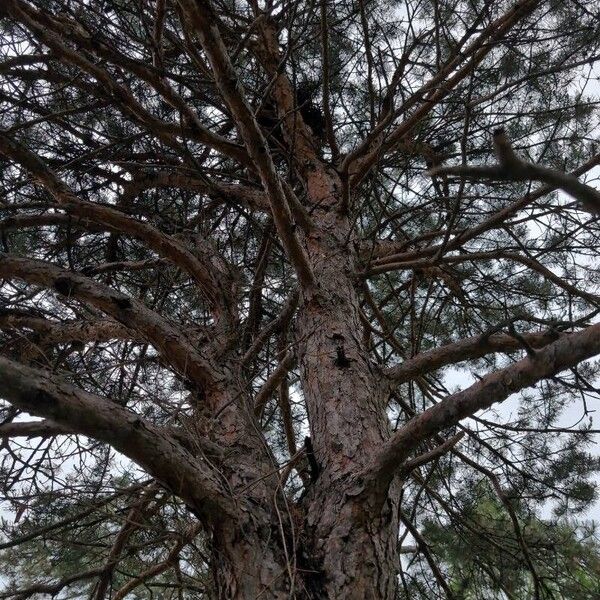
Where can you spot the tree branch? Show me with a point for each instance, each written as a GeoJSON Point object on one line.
{"type": "Point", "coordinates": [467, 349]}
{"type": "Point", "coordinates": [272, 382]}
{"type": "Point", "coordinates": [161, 243]}
{"type": "Point", "coordinates": [511, 167]}
{"type": "Point", "coordinates": [42, 394]}
{"type": "Point", "coordinates": [203, 19]}
{"type": "Point", "coordinates": [566, 352]}
{"type": "Point", "coordinates": [175, 348]}
{"type": "Point", "coordinates": [45, 428]}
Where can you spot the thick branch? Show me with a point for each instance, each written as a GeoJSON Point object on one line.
{"type": "Point", "coordinates": [467, 349]}
{"type": "Point", "coordinates": [39, 393]}
{"type": "Point", "coordinates": [175, 348]}
{"type": "Point", "coordinates": [253, 198]}
{"type": "Point", "coordinates": [566, 352]}
{"type": "Point", "coordinates": [45, 428]}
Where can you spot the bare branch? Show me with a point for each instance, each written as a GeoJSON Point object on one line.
{"type": "Point", "coordinates": [467, 349]}
{"type": "Point", "coordinates": [513, 168]}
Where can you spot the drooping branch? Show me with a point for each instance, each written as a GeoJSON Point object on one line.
{"type": "Point", "coordinates": [511, 167]}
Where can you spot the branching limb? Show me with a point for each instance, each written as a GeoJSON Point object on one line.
{"type": "Point", "coordinates": [467, 349]}
{"type": "Point", "coordinates": [567, 351]}
{"type": "Point", "coordinates": [131, 524]}
{"type": "Point", "coordinates": [387, 252]}
{"type": "Point", "coordinates": [51, 32]}
{"type": "Point", "coordinates": [272, 383]}
{"type": "Point", "coordinates": [44, 395]}
{"type": "Point", "coordinates": [435, 90]}
{"type": "Point", "coordinates": [511, 167]}
{"type": "Point", "coordinates": [203, 272]}
{"type": "Point", "coordinates": [432, 455]}
{"type": "Point", "coordinates": [204, 22]}
{"type": "Point", "coordinates": [161, 567]}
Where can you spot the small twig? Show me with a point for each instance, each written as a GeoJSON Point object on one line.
{"type": "Point", "coordinates": [434, 454]}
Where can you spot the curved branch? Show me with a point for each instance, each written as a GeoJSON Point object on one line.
{"type": "Point", "coordinates": [467, 349]}
{"type": "Point", "coordinates": [175, 348]}
{"type": "Point", "coordinates": [157, 241]}
{"type": "Point", "coordinates": [157, 452]}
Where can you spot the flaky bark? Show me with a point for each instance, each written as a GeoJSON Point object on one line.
{"type": "Point", "coordinates": [355, 543]}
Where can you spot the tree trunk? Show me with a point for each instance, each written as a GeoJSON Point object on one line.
{"type": "Point", "coordinates": [341, 541]}
{"type": "Point", "coordinates": [249, 554]}
{"type": "Point", "coordinates": [352, 537]}
{"type": "Point", "coordinates": [249, 561]}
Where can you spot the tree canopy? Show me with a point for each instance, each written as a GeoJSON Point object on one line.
{"type": "Point", "coordinates": [299, 299]}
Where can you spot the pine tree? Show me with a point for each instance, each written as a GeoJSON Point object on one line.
{"type": "Point", "coordinates": [298, 299]}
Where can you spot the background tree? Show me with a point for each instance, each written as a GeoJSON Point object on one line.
{"type": "Point", "coordinates": [245, 247]}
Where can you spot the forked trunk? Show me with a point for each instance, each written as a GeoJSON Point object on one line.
{"type": "Point", "coordinates": [356, 558]}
